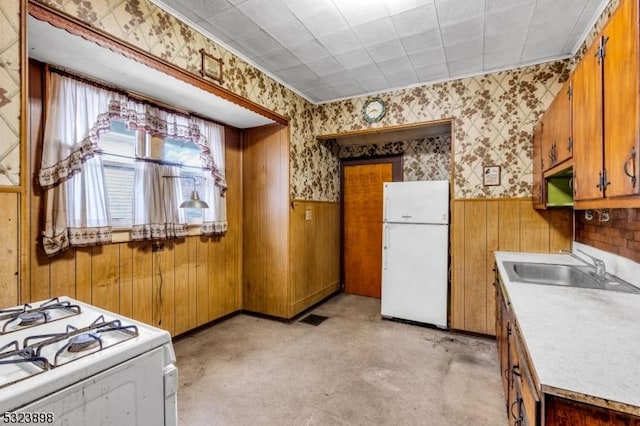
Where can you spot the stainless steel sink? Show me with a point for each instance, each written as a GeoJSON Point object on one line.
{"type": "Point", "coordinates": [565, 275]}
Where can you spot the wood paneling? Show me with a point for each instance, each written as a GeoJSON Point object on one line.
{"type": "Point", "coordinates": [189, 282]}
{"type": "Point", "coordinates": [478, 228]}
{"type": "Point", "coordinates": [9, 230]}
{"type": "Point", "coordinates": [266, 220]}
{"type": "Point", "coordinates": [315, 248]}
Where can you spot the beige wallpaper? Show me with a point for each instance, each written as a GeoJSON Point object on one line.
{"type": "Point", "coordinates": [493, 118]}
{"type": "Point", "coordinates": [10, 92]}
{"type": "Point", "coordinates": [493, 114]}
{"type": "Point", "coordinates": [426, 158]}
{"type": "Point", "coordinates": [139, 22]}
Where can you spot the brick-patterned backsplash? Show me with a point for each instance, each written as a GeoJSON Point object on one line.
{"type": "Point", "coordinates": [620, 235]}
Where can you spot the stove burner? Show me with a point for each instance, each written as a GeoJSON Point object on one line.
{"type": "Point", "coordinates": [33, 317]}
{"type": "Point", "coordinates": [83, 342]}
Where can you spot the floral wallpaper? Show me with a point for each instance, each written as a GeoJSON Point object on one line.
{"type": "Point", "coordinates": [427, 158]}
{"type": "Point", "coordinates": [493, 114]}
{"type": "Point", "coordinates": [313, 165]}
{"type": "Point", "coordinates": [493, 118]}
{"type": "Point", "coordinates": [10, 92]}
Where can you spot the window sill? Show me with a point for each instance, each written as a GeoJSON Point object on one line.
{"type": "Point", "coordinates": [122, 235]}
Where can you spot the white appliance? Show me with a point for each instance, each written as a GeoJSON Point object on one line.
{"type": "Point", "coordinates": [66, 362]}
{"type": "Point", "coordinates": [415, 251]}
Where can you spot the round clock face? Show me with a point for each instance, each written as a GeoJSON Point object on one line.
{"type": "Point", "coordinates": [373, 110]}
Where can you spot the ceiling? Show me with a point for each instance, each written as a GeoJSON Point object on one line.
{"type": "Point", "coordinates": [58, 47]}
{"type": "Point", "coordinates": [327, 50]}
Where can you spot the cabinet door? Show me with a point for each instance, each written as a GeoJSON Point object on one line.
{"type": "Point", "coordinates": [620, 76]}
{"type": "Point", "coordinates": [587, 126]}
{"type": "Point", "coordinates": [537, 190]}
{"type": "Point", "coordinates": [563, 144]}
{"type": "Point", "coordinates": [503, 331]}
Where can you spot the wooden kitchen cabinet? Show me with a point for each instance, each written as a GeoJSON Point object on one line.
{"type": "Point", "coordinates": [620, 76]}
{"type": "Point", "coordinates": [606, 115]}
{"type": "Point", "coordinates": [587, 126]}
{"type": "Point", "coordinates": [557, 142]}
{"type": "Point", "coordinates": [526, 401]}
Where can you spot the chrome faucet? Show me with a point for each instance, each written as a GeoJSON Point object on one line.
{"type": "Point", "coordinates": [598, 263]}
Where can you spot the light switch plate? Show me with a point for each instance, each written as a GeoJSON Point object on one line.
{"type": "Point", "coordinates": [307, 214]}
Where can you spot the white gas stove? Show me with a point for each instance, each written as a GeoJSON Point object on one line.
{"type": "Point", "coordinates": [66, 362]}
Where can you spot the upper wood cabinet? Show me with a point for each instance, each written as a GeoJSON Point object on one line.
{"type": "Point", "coordinates": [587, 126]}
{"type": "Point", "coordinates": [620, 76]}
{"type": "Point", "coordinates": [557, 142]}
{"type": "Point", "coordinates": [606, 115]}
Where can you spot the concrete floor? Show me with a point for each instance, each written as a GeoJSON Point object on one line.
{"type": "Point", "coordinates": [353, 369]}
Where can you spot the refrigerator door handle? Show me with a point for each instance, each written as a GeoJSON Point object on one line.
{"type": "Point", "coordinates": [385, 247]}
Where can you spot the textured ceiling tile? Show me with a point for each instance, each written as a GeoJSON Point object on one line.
{"type": "Point", "coordinates": [513, 40]}
{"type": "Point", "coordinates": [359, 12]}
{"type": "Point", "coordinates": [200, 9]}
{"type": "Point", "coordinates": [415, 20]}
{"type": "Point", "coordinates": [288, 33]}
{"type": "Point", "coordinates": [466, 49]}
{"type": "Point", "coordinates": [232, 23]}
{"type": "Point", "coordinates": [375, 32]}
{"type": "Point", "coordinates": [280, 59]}
{"type": "Point", "coordinates": [430, 57]}
{"type": "Point", "coordinates": [455, 11]}
{"type": "Point", "coordinates": [258, 43]}
{"type": "Point", "coordinates": [266, 12]}
{"type": "Point", "coordinates": [465, 65]}
{"type": "Point", "coordinates": [399, 6]}
{"type": "Point", "coordinates": [340, 42]}
{"type": "Point", "coordinates": [433, 72]}
{"type": "Point", "coordinates": [501, 59]}
{"type": "Point", "coordinates": [395, 65]}
{"type": "Point", "coordinates": [508, 19]}
{"type": "Point", "coordinates": [309, 50]}
{"type": "Point", "coordinates": [422, 42]}
{"type": "Point", "coordinates": [324, 65]}
{"type": "Point", "coordinates": [297, 73]}
{"type": "Point", "coordinates": [405, 77]}
{"type": "Point", "coordinates": [492, 5]}
{"type": "Point", "coordinates": [323, 21]}
{"type": "Point", "coordinates": [462, 31]}
{"type": "Point", "coordinates": [386, 50]}
{"type": "Point", "coordinates": [355, 59]}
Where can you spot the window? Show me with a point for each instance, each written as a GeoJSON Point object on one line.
{"type": "Point", "coordinates": [119, 153]}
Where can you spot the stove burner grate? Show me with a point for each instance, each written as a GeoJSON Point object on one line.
{"type": "Point", "coordinates": [11, 354]}
{"type": "Point", "coordinates": [84, 342]}
{"type": "Point", "coordinates": [33, 317]}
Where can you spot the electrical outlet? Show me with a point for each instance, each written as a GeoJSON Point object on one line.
{"type": "Point", "coordinates": [308, 214]}
{"type": "Point", "coordinates": [157, 246]}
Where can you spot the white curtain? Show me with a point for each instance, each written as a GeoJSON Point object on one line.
{"type": "Point", "coordinates": [215, 185]}
{"type": "Point", "coordinates": [155, 205]}
{"type": "Point", "coordinates": [72, 177]}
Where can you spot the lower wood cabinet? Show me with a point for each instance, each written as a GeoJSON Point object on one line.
{"type": "Point", "coordinates": [526, 403]}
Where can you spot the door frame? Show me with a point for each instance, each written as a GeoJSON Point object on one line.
{"type": "Point", "coordinates": [396, 174]}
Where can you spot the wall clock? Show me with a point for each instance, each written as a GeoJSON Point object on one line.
{"type": "Point", "coordinates": [373, 110]}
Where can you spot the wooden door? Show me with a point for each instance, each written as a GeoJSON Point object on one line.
{"type": "Point", "coordinates": [620, 76]}
{"type": "Point", "coordinates": [587, 126]}
{"type": "Point", "coordinates": [362, 226]}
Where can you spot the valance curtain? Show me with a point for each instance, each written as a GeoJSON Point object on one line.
{"type": "Point", "coordinates": [214, 186]}
{"type": "Point", "coordinates": [72, 174]}
{"type": "Point", "coordinates": [72, 177]}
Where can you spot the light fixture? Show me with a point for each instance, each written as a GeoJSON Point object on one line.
{"type": "Point", "coordinates": [194, 202]}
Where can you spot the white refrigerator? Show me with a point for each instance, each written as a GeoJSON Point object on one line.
{"type": "Point", "coordinates": [415, 251]}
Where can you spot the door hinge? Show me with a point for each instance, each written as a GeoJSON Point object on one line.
{"type": "Point", "coordinates": [570, 146]}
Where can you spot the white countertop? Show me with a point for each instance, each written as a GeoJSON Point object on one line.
{"type": "Point", "coordinates": [583, 341]}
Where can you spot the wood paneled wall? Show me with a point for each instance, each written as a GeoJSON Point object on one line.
{"type": "Point", "coordinates": [478, 228]}
{"type": "Point", "coordinates": [314, 250]}
{"type": "Point", "coordinates": [9, 248]}
{"type": "Point", "coordinates": [266, 220]}
{"type": "Point", "coordinates": [188, 283]}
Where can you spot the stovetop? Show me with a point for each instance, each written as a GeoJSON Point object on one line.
{"type": "Point", "coordinates": [47, 345]}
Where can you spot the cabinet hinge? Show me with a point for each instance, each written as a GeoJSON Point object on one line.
{"type": "Point", "coordinates": [570, 92]}
{"type": "Point", "coordinates": [570, 146]}
{"type": "Point", "coordinates": [602, 49]}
